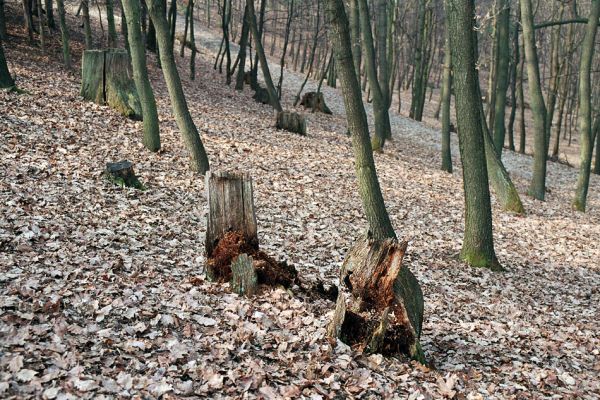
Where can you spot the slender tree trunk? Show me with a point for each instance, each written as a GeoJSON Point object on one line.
{"type": "Point", "coordinates": [172, 21]}
{"type": "Point", "coordinates": [554, 78]}
{"type": "Point", "coordinates": [192, 41]}
{"type": "Point", "coordinates": [537, 188]}
{"type": "Point", "coordinates": [380, 108]}
{"type": "Point", "coordinates": [110, 20]}
{"type": "Point", "coordinates": [50, 14]}
{"type": "Point", "coordinates": [503, 55]}
{"type": "Point", "coordinates": [263, 59]}
{"type": "Point", "coordinates": [312, 55]}
{"type": "Point", "coordinates": [513, 88]}
{"type": "Point", "coordinates": [355, 35]}
{"type": "Point", "coordinates": [64, 33]}
{"type": "Point", "coordinates": [131, 9]}
{"type": "Point", "coordinates": [28, 19]}
{"type": "Point", "coordinates": [586, 143]}
{"type": "Point", "coordinates": [40, 15]}
{"type": "Point", "coordinates": [478, 244]}
{"type": "Point", "coordinates": [597, 162]}
{"type": "Point", "coordinates": [521, 98]}
{"type": "Point", "coordinates": [372, 199]}
{"type": "Point", "coordinates": [261, 25]}
{"type": "Point", "coordinates": [3, 34]}
{"type": "Point", "coordinates": [239, 82]}
{"type": "Point", "coordinates": [185, 30]}
{"type": "Point", "coordinates": [87, 27]}
{"type": "Point", "coordinates": [285, 45]}
{"type": "Point", "coordinates": [446, 99]}
{"type": "Point", "coordinates": [199, 159]}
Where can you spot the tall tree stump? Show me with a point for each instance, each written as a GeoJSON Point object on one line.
{"type": "Point", "coordinates": [232, 231]}
{"type": "Point", "coordinates": [316, 102]}
{"type": "Point", "coordinates": [292, 122]}
{"type": "Point", "coordinates": [107, 78]}
{"type": "Point", "coordinates": [379, 308]}
{"type": "Point", "coordinates": [261, 95]}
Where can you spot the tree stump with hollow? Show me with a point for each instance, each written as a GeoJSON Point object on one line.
{"type": "Point", "coordinates": [107, 78]}
{"type": "Point", "coordinates": [316, 102]}
{"type": "Point", "coordinates": [291, 122]}
{"type": "Point", "coordinates": [379, 308]}
{"type": "Point", "coordinates": [121, 173]}
{"type": "Point", "coordinates": [232, 231]}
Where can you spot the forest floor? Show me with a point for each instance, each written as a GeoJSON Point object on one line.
{"type": "Point", "coordinates": [103, 291]}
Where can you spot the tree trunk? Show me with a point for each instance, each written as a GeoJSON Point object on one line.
{"type": "Point", "coordinates": [379, 308]}
{"type": "Point", "coordinates": [478, 244]}
{"type": "Point", "coordinates": [445, 103]}
{"type": "Point", "coordinates": [239, 82]}
{"type": "Point", "coordinates": [120, 90]}
{"type": "Point", "coordinates": [355, 34]}
{"type": "Point", "coordinates": [28, 19]}
{"type": "Point", "coordinates": [312, 55]}
{"type": "Point", "coordinates": [537, 188]}
{"type": "Point", "coordinates": [199, 159]}
{"type": "Point", "coordinates": [503, 55]}
{"type": "Point", "coordinates": [291, 122]}
{"type": "Point", "coordinates": [151, 140]}
{"type": "Point", "coordinates": [40, 16]}
{"type": "Point", "coordinates": [87, 27]}
{"type": "Point", "coordinates": [110, 20]}
{"type": "Point", "coordinates": [50, 14]}
{"type": "Point", "coordinates": [368, 183]}
{"type": "Point", "coordinates": [192, 43]}
{"type": "Point", "coordinates": [586, 144]}
{"type": "Point", "coordinates": [380, 109]}
{"type": "Point", "coordinates": [6, 80]}
{"type": "Point", "coordinates": [285, 45]}
{"type": "Point", "coordinates": [64, 32]}
{"type": "Point", "coordinates": [513, 88]}
{"type": "Point", "coordinates": [3, 34]}
{"type": "Point", "coordinates": [263, 59]}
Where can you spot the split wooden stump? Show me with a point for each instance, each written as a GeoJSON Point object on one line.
{"type": "Point", "coordinates": [231, 245]}
{"type": "Point", "coordinates": [121, 173]}
{"type": "Point", "coordinates": [107, 78]}
{"type": "Point", "coordinates": [379, 308]}
{"type": "Point", "coordinates": [316, 102]}
{"type": "Point", "coordinates": [291, 122]}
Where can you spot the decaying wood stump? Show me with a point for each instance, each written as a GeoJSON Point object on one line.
{"type": "Point", "coordinates": [316, 102]}
{"type": "Point", "coordinates": [261, 95]}
{"type": "Point", "coordinates": [292, 122]}
{"type": "Point", "coordinates": [379, 308]}
{"type": "Point", "coordinates": [232, 231]}
{"type": "Point", "coordinates": [121, 173]}
{"type": "Point", "coordinates": [244, 279]}
{"type": "Point", "coordinates": [248, 77]}
{"type": "Point", "coordinates": [107, 78]}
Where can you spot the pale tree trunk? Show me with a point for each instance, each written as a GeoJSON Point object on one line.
{"type": "Point", "coordinates": [478, 244]}
{"type": "Point", "coordinates": [445, 103]}
{"type": "Point", "coordinates": [199, 159]}
{"type": "Point", "coordinates": [537, 188]}
{"type": "Point", "coordinates": [586, 144]}
{"type": "Point", "coordinates": [151, 140]}
{"type": "Point", "coordinates": [40, 15]}
{"type": "Point", "coordinates": [87, 27]}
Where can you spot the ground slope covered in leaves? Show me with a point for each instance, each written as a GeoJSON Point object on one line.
{"type": "Point", "coordinates": [103, 292]}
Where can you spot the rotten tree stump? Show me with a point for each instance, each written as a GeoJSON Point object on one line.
{"type": "Point", "coordinates": [232, 231]}
{"type": "Point", "coordinates": [121, 173]}
{"type": "Point", "coordinates": [291, 122]}
{"type": "Point", "coordinates": [107, 78]}
{"type": "Point", "coordinates": [244, 279]}
{"type": "Point", "coordinates": [379, 308]}
{"type": "Point", "coordinates": [316, 102]}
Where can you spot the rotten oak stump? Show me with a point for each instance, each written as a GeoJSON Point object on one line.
{"type": "Point", "coordinates": [291, 122]}
{"type": "Point", "coordinates": [232, 232]}
{"type": "Point", "coordinates": [121, 173]}
{"type": "Point", "coordinates": [316, 102]}
{"type": "Point", "coordinates": [379, 308]}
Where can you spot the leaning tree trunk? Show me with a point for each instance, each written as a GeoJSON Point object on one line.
{"type": "Point", "coordinates": [6, 80]}
{"type": "Point", "coordinates": [263, 59]}
{"type": "Point", "coordinates": [199, 159]}
{"type": "Point", "coordinates": [239, 81]}
{"type": "Point", "coordinates": [446, 99]}
{"type": "Point", "coordinates": [478, 244]}
{"type": "Point", "coordinates": [537, 188]}
{"type": "Point", "coordinates": [585, 109]}
{"type": "Point", "coordinates": [151, 140]}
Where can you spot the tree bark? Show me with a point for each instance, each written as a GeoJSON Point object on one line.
{"type": "Point", "coordinates": [537, 188]}
{"type": "Point", "coordinates": [478, 244]}
{"type": "Point", "coordinates": [445, 103]}
{"type": "Point", "coordinates": [151, 139]}
{"type": "Point", "coordinates": [502, 70]}
{"type": "Point", "coordinates": [586, 143]}
{"type": "Point", "coordinates": [199, 159]}
{"type": "Point", "coordinates": [6, 80]}
{"type": "Point", "coordinates": [110, 20]}
{"type": "Point", "coordinates": [64, 33]}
